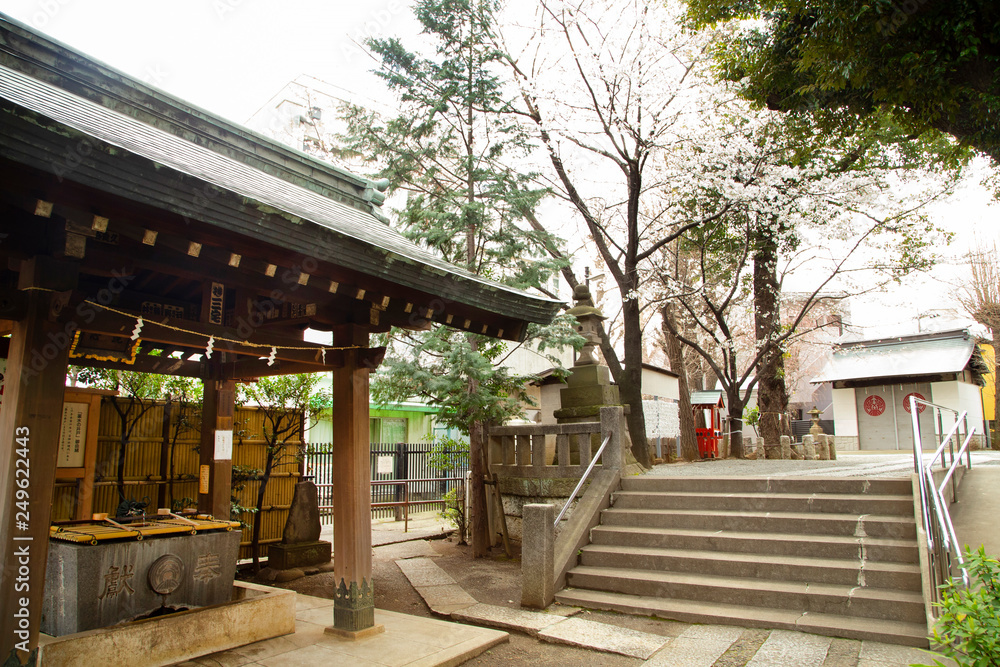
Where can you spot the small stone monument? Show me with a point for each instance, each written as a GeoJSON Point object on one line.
{"type": "Point", "coordinates": [300, 545]}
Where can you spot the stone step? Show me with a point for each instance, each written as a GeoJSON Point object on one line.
{"type": "Point", "coordinates": [830, 503]}
{"type": "Point", "coordinates": [801, 523]}
{"type": "Point", "coordinates": [853, 572]}
{"type": "Point", "coordinates": [690, 611]}
{"type": "Point", "coordinates": [837, 599]}
{"type": "Point", "coordinates": [875, 549]}
{"type": "Point", "coordinates": [806, 485]}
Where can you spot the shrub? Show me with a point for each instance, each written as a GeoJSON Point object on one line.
{"type": "Point", "coordinates": [968, 628]}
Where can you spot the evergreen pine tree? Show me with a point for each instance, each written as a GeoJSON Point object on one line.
{"type": "Point", "coordinates": [453, 151]}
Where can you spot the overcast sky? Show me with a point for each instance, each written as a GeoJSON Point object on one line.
{"type": "Point", "coordinates": [232, 56]}
{"type": "Point", "coordinates": [228, 56]}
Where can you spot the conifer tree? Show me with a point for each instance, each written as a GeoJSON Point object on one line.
{"type": "Point", "coordinates": [452, 152]}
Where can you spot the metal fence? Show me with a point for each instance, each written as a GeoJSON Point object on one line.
{"type": "Point", "coordinates": [389, 462]}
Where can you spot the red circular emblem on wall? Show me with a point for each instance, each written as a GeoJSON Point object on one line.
{"type": "Point", "coordinates": [920, 406]}
{"type": "Point", "coordinates": [874, 405]}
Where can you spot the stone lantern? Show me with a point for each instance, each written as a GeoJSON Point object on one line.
{"type": "Point", "coordinates": [815, 429]}
{"type": "Point", "coordinates": [589, 318]}
{"type": "Point", "coordinates": [589, 385]}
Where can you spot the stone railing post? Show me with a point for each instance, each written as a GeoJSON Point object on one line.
{"type": "Point", "coordinates": [537, 556]}
{"type": "Point", "coordinates": [611, 424]}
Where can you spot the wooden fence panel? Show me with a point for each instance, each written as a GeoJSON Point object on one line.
{"type": "Point", "coordinates": [146, 471]}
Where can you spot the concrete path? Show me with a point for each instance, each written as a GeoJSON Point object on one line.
{"type": "Point", "coordinates": [408, 641]}
{"type": "Point", "coordinates": [422, 526]}
{"type": "Point", "coordinates": [697, 646]}
{"type": "Point", "coordinates": [975, 514]}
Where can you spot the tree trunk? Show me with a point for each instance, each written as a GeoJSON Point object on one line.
{"type": "Point", "coordinates": [630, 386]}
{"type": "Point", "coordinates": [688, 439]}
{"type": "Point", "coordinates": [735, 423]}
{"type": "Point", "coordinates": [772, 397]}
{"type": "Point", "coordinates": [480, 531]}
{"type": "Point", "coordinates": [257, 517]}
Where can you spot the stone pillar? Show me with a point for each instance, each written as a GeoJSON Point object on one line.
{"type": "Point", "coordinates": [30, 423]}
{"type": "Point", "coordinates": [216, 451]}
{"type": "Point", "coordinates": [537, 556]}
{"type": "Point", "coordinates": [822, 448]}
{"type": "Point", "coordinates": [832, 446]}
{"type": "Point", "coordinates": [809, 448]}
{"type": "Point", "coordinates": [786, 447]}
{"type": "Point", "coordinates": [354, 595]}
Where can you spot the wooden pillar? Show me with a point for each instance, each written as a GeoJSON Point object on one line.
{"type": "Point", "coordinates": [215, 485]}
{"type": "Point", "coordinates": [354, 596]}
{"type": "Point", "coordinates": [30, 423]}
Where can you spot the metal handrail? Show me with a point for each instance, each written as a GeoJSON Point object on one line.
{"type": "Point", "coordinates": [593, 462]}
{"type": "Point", "coordinates": [937, 519]}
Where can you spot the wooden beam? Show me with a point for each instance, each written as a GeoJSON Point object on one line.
{"type": "Point", "coordinates": [371, 358]}
{"type": "Point", "coordinates": [196, 336]}
{"type": "Point", "coordinates": [149, 364]}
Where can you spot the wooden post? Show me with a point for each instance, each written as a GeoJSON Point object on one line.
{"type": "Point", "coordinates": [162, 497]}
{"type": "Point", "coordinates": [216, 452]}
{"type": "Point", "coordinates": [354, 596]}
{"type": "Point", "coordinates": [30, 423]}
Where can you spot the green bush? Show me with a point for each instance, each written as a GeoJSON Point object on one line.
{"type": "Point", "coordinates": [968, 628]}
{"type": "Point", "coordinates": [454, 510]}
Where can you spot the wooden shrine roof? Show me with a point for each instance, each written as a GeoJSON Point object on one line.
{"type": "Point", "coordinates": [99, 143]}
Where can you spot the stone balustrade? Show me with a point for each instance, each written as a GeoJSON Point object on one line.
{"type": "Point", "coordinates": [544, 451]}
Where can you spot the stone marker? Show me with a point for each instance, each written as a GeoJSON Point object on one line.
{"type": "Point", "coordinates": [300, 545]}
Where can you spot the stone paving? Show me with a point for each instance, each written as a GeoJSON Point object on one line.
{"type": "Point", "coordinates": [697, 646]}
{"type": "Point", "coordinates": [848, 464]}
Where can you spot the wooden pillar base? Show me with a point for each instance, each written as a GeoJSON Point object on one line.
{"type": "Point", "coordinates": [354, 606]}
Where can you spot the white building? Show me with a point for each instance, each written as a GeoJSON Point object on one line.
{"type": "Point", "coordinates": [872, 380]}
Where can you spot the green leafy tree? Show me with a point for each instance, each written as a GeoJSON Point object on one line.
{"type": "Point", "coordinates": [285, 401]}
{"type": "Point", "coordinates": [930, 65]}
{"type": "Point", "coordinates": [452, 154]}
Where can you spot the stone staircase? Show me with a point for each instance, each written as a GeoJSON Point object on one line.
{"type": "Point", "coordinates": [834, 557]}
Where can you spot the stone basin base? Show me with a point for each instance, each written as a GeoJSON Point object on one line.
{"type": "Point", "coordinates": [255, 613]}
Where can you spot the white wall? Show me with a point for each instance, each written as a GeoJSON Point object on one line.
{"type": "Point", "coordinates": [959, 396]}
{"type": "Point", "coordinates": [659, 384]}
{"type": "Point", "coordinates": [845, 413]}
{"type": "Point", "coordinates": [525, 361]}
